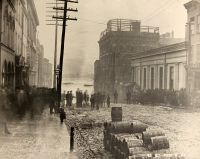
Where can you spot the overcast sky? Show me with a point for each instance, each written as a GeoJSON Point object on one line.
{"type": "Point", "coordinates": [82, 36]}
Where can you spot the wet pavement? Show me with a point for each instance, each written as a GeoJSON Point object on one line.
{"type": "Point", "coordinates": [41, 138]}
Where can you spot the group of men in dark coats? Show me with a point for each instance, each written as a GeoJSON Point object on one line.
{"type": "Point", "coordinates": [96, 100]}
{"type": "Point", "coordinates": [99, 100]}
{"type": "Point", "coordinates": [82, 98]}
{"type": "Point", "coordinates": [69, 98]}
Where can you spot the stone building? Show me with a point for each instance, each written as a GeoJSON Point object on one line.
{"type": "Point", "coordinates": [122, 39]}
{"type": "Point", "coordinates": [7, 53]}
{"type": "Point", "coordinates": [21, 44]}
{"type": "Point", "coordinates": [160, 68]}
{"type": "Point", "coordinates": [193, 40]}
{"type": "Point", "coordinates": [32, 56]}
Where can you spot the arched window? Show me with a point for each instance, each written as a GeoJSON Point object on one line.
{"type": "Point", "coordinates": [4, 74]}
{"type": "Point", "coordinates": [9, 75]}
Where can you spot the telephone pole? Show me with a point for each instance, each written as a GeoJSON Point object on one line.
{"type": "Point", "coordinates": [64, 18]}
{"type": "Point", "coordinates": [55, 51]}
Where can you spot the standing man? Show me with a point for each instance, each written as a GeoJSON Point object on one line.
{"type": "Point", "coordinates": [108, 101]}
{"type": "Point", "coordinates": [70, 98]}
{"type": "Point", "coordinates": [115, 97]}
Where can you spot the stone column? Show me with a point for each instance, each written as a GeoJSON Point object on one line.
{"type": "Point", "coordinates": [176, 71]}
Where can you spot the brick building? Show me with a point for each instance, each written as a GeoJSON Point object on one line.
{"type": "Point", "coordinates": [122, 39]}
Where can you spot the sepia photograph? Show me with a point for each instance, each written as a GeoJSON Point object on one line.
{"type": "Point", "coordinates": [99, 79]}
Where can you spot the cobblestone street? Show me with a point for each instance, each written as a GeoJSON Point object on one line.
{"type": "Point", "coordinates": [181, 126]}
{"type": "Point", "coordinates": [40, 138]}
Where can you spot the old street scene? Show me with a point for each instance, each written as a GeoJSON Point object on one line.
{"type": "Point", "coordinates": [99, 79]}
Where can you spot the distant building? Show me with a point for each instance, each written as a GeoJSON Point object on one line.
{"type": "Point", "coordinates": [47, 73]}
{"type": "Point", "coordinates": [32, 56]}
{"type": "Point", "coordinates": [21, 44]}
{"type": "Point", "coordinates": [7, 47]}
{"type": "Point", "coordinates": [40, 52]}
{"type": "Point", "coordinates": [193, 40]}
{"type": "Point", "coordinates": [169, 39]}
{"type": "Point", "coordinates": [122, 39]}
{"type": "Point", "coordinates": [161, 68]}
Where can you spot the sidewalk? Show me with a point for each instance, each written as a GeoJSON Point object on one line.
{"type": "Point", "coordinates": [44, 138]}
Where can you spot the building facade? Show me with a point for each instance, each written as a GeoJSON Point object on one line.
{"type": "Point", "coordinates": [21, 44]}
{"type": "Point", "coordinates": [193, 40]}
{"type": "Point", "coordinates": [161, 68]}
{"type": "Point", "coordinates": [32, 57]}
{"type": "Point", "coordinates": [7, 53]}
{"type": "Point", "coordinates": [122, 39]}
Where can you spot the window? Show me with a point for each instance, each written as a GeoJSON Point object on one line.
{"type": "Point", "coordinates": [138, 76]}
{"type": "Point", "coordinates": [171, 77]}
{"type": "Point", "coordinates": [144, 78]}
{"type": "Point", "coordinates": [192, 26]}
{"type": "Point", "coordinates": [152, 78]}
{"type": "Point", "coordinates": [161, 73]}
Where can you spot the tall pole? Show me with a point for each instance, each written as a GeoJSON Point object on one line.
{"type": "Point", "coordinates": [55, 51]}
{"type": "Point", "coordinates": [62, 51]}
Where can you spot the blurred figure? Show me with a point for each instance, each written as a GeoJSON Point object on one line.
{"type": "Point", "coordinates": [62, 115]}
{"type": "Point", "coordinates": [92, 101]}
{"type": "Point", "coordinates": [97, 100]}
{"type": "Point", "coordinates": [108, 101]}
{"type": "Point", "coordinates": [70, 98]}
{"type": "Point", "coordinates": [128, 97]}
{"type": "Point", "coordinates": [104, 99]}
{"type": "Point", "coordinates": [4, 109]}
{"type": "Point", "coordinates": [115, 97]}
{"type": "Point", "coordinates": [77, 97]}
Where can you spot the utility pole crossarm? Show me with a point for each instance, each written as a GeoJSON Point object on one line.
{"type": "Point", "coordinates": [69, 9]}
{"type": "Point", "coordinates": [68, 18]}
{"type": "Point", "coordinates": [69, 1]}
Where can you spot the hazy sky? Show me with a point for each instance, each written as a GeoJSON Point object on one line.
{"type": "Point", "coordinates": [82, 36]}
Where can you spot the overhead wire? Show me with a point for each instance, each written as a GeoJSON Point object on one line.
{"type": "Point", "coordinates": [160, 10]}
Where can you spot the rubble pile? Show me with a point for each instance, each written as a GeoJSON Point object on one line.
{"type": "Point", "coordinates": [88, 136]}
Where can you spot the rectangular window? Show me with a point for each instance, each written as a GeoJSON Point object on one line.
{"type": "Point", "coordinates": [192, 26]}
{"type": "Point", "coordinates": [161, 73]}
{"type": "Point", "coordinates": [152, 78]}
{"type": "Point", "coordinates": [145, 78]}
{"type": "Point", "coordinates": [171, 77]}
{"type": "Point", "coordinates": [138, 76]}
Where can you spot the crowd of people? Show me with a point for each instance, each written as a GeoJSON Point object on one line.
{"type": "Point", "coordinates": [95, 100]}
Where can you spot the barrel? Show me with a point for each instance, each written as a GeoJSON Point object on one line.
{"type": "Point", "coordinates": [138, 127]}
{"type": "Point", "coordinates": [131, 143]}
{"type": "Point", "coordinates": [168, 156]}
{"type": "Point", "coordinates": [144, 155]}
{"type": "Point", "coordinates": [136, 150]}
{"type": "Point", "coordinates": [121, 127]}
{"type": "Point", "coordinates": [147, 135]}
{"type": "Point", "coordinates": [116, 114]}
{"type": "Point", "coordinates": [121, 138]}
{"type": "Point", "coordinates": [158, 143]}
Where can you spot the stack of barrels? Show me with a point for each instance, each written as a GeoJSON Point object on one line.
{"type": "Point", "coordinates": [132, 140]}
